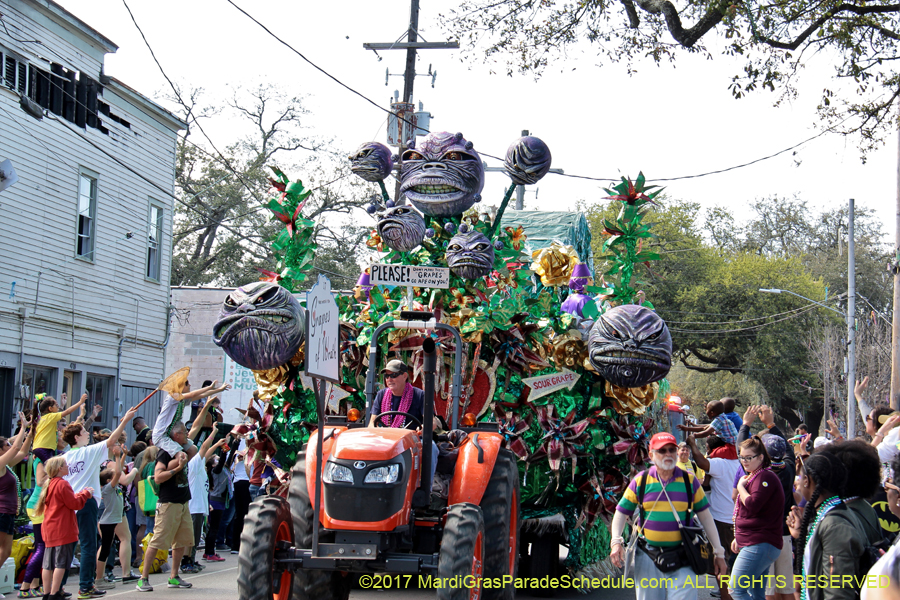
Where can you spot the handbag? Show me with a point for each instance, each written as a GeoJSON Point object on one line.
{"type": "Point", "coordinates": [697, 549]}
{"type": "Point", "coordinates": [147, 498]}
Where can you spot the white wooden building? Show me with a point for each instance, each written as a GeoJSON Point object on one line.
{"type": "Point", "coordinates": [86, 231]}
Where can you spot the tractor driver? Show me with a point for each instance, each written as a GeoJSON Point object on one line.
{"type": "Point", "coordinates": [400, 395]}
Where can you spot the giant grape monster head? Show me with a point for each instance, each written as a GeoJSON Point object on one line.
{"type": "Point", "coordinates": [527, 160]}
{"type": "Point", "coordinates": [470, 254]}
{"type": "Point", "coordinates": [401, 228]}
{"type": "Point", "coordinates": [442, 176]}
{"type": "Point", "coordinates": [260, 326]}
{"type": "Point", "coordinates": [630, 346]}
{"type": "Point", "coordinates": [372, 161]}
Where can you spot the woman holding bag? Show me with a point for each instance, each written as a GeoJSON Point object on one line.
{"type": "Point", "coordinates": [758, 515]}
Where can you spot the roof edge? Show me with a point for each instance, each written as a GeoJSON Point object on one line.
{"type": "Point", "coordinates": [63, 16]}
{"type": "Point", "coordinates": [165, 117]}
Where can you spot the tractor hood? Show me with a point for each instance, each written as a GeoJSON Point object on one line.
{"type": "Point", "coordinates": [374, 443]}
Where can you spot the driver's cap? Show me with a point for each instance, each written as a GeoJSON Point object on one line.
{"type": "Point", "coordinates": [395, 366]}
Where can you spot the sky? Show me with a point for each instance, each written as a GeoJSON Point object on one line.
{"type": "Point", "coordinates": [667, 121]}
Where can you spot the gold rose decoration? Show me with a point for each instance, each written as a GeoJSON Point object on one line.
{"type": "Point", "coordinates": [631, 401]}
{"type": "Point", "coordinates": [569, 350]}
{"type": "Point", "coordinates": [555, 264]}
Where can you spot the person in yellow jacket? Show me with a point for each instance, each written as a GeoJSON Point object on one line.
{"type": "Point", "coordinates": [685, 462]}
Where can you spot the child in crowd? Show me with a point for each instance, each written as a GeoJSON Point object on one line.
{"type": "Point", "coordinates": [57, 504]}
{"type": "Point", "coordinates": [720, 425]}
{"type": "Point", "coordinates": [730, 414]}
{"type": "Point", "coordinates": [112, 521]}
{"type": "Point", "coordinates": [219, 497]}
{"type": "Point", "coordinates": [171, 413]}
{"type": "Point", "coordinates": [47, 415]}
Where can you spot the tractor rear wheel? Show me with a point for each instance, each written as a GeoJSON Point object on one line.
{"type": "Point", "coordinates": [310, 584]}
{"type": "Point", "coordinates": [461, 561]}
{"type": "Point", "coordinates": [500, 507]}
{"type": "Point", "coordinates": [267, 524]}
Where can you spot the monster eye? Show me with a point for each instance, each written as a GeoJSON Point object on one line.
{"type": "Point", "coordinates": [455, 247]}
{"type": "Point", "coordinates": [654, 336]}
{"type": "Point", "coordinates": [453, 156]}
{"type": "Point", "coordinates": [482, 247]}
{"type": "Point", "coordinates": [401, 211]}
{"type": "Point", "coordinates": [229, 301]}
{"type": "Point", "coordinates": [267, 296]}
{"type": "Point", "coordinates": [412, 155]}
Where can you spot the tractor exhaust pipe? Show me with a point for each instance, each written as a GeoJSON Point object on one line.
{"type": "Point", "coordinates": [428, 348]}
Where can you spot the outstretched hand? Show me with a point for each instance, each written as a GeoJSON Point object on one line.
{"type": "Point", "coordinates": [750, 415]}
{"type": "Point", "coordinates": [860, 388]}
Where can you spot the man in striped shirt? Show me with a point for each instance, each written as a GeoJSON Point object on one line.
{"type": "Point", "coordinates": [659, 531]}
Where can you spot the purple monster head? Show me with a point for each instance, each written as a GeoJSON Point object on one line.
{"type": "Point", "coordinates": [261, 326]}
{"type": "Point", "coordinates": [630, 346]}
{"type": "Point", "coordinates": [402, 228]}
{"type": "Point", "coordinates": [372, 161]}
{"type": "Point", "coordinates": [443, 176]}
{"type": "Point", "coordinates": [470, 255]}
{"type": "Point", "coordinates": [527, 160]}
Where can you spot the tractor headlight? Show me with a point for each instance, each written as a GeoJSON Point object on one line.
{"type": "Point", "coordinates": [334, 472]}
{"type": "Point", "coordinates": [386, 474]}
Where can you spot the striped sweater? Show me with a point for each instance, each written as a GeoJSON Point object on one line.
{"type": "Point", "coordinates": [661, 528]}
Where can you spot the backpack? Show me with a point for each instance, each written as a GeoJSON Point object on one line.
{"type": "Point", "coordinates": [873, 550]}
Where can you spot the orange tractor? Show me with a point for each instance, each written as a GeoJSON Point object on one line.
{"type": "Point", "coordinates": [360, 503]}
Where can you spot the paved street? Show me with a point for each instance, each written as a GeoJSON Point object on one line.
{"type": "Point", "coordinates": [219, 581]}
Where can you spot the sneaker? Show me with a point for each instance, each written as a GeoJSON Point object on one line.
{"type": "Point", "coordinates": [26, 594]}
{"type": "Point", "coordinates": [95, 592]}
{"type": "Point", "coordinates": [91, 593]}
{"type": "Point", "coordinates": [104, 584]}
{"type": "Point", "coordinates": [213, 558]}
{"type": "Point", "coordinates": [144, 586]}
{"type": "Point", "coordinates": [178, 582]}
{"type": "Point", "coordinates": [131, 577]}
{"type": "Point", "coordinates": [189, 569]}
{"type": "Point", "coordinates": [64, 594]}
{"type": "Point", "coordinates": [225, 547]}
{"type": "Point", "coordinates": [235, 551]}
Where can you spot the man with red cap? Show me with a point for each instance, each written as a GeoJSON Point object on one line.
{"type": "Point", "coordinates": [664, 488]}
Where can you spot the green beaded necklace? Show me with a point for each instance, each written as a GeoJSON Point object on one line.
{"type": "Point", "coordinates": [820, 514]}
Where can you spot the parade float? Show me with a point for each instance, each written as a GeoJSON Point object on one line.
{"type": "Point", "coordinates": [569, 364]}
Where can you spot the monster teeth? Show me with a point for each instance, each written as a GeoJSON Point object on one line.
{"type": "Point", "coordinates": [435, 189]}
{"type": "Point", "coordinates": [624, 354]}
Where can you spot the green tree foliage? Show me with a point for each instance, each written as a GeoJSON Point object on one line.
{"type": "Point", "coordinates": [222, 229]}
{"type": "Point", "coordinates": [770, 42]}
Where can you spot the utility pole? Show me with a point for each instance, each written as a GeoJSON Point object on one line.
{"type": "Point", "coordinates": [409, 77]}
{"type": "Point", "coordinates": [895, 322]}
{"type": "Point", "coordinates": [851, 323]}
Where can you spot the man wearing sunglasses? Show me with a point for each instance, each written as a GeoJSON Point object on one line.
{"type": "Point", "coordinates": [664, 492]}
{"type": "Point", "coordinates": [398, 395]}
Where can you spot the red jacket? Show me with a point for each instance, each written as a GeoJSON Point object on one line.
{"type": "Point", "coordinates": [60, 527]}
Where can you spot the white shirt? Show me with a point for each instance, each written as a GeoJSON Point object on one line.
{"type": "Point", "coordinates": [240, 466]}
{"type": "Point", "coordinates": [84, 467]}
{"type": "Point", "coordinates": [887, 452]}
{"type": "Point", "coordinates": [721, 479]}
{"type": "Point", "coordinates": [165, 418]}
{"type": "Point", "coordinates": [884, 566]}
{"type": "Point", "coordinates": [198, 482]}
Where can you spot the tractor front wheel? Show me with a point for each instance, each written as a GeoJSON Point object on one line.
{"type": "Point", "coordinates": [267, 524]}
{"type": "Point", "coordinates": [461, 561]}
{"type": "Point", "coordinates": [500, 507]}
{"type": "Point", "coordinates": [310, 584]}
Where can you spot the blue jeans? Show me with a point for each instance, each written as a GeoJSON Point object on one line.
{"type": "Point", "coordinates": [224, 526]}
{"type": "Point", "coordinates": [652, 584]}
{"type": "Point", "coordinates": [88, 518]}
{"type": "Point", "coordinates": [748, 577]}
{"type": "Point", "coordinates": [256, 490]}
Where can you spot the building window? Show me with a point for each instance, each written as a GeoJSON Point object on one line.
{"type": "Point", "coordinates": [87, 211]}
{"type": "Point", "coordinates": [35, 380]}
{"type": "Point", "coordinates": [154, 237]}
{"type": "Point", "coordinates": [98, 389]}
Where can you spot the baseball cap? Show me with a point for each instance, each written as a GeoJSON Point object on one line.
{"type": "Point", "coordinates": [662, 439]}
{"type": "Point", "coordinates": [775, 446]}
{"type": "Point", "coordinates": [395, 366]}
{"type": "Point", "coordinates": [821, 441]}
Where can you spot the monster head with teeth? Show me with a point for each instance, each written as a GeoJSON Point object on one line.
{"type": "Point", "coordinates": [630, 346]}
{"type": "Point", "coordinates": [372, 161]}
{"type": "Point", "coordinates": [260, 326]}
{"type": "Point", "coordinates": [470, 255]}
{"type": "Point", "coordinates": [402, 228]}
{"type": "Point", "coordinates": [443, 175]}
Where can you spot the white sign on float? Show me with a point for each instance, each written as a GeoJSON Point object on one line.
{"type": "Point", "coordinates": [549, 383]}
{"type": "Point", "coordinates": [410, 275]}
{"type": "Point", "coordinates": [242, 387]}
{"type": "Point", "coordinates": [322, 332]}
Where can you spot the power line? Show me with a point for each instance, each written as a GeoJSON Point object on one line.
{"type": "Point", "coordinates": [751, 328]}
{"type": "Point", "coordinates": [604, 179]}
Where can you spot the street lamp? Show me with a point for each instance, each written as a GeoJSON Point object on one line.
{"type": "Point", "coordinates": [851, 356]}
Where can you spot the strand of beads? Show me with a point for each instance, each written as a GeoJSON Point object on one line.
{"type": "Point", "coordinates": [737, 501]}
{"type": "Point", "coordinates": [820, 514]}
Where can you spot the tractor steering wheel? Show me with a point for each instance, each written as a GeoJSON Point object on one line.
{"type": "Point", "coordinates": [380, 423]}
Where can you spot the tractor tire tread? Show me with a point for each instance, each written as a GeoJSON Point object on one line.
{"type": "Point", "coordinates": [502, 490]}
{"type": "Point", "coordinates": [256, 560]}
{"type": "Point", "coordinates": [464, 522]}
